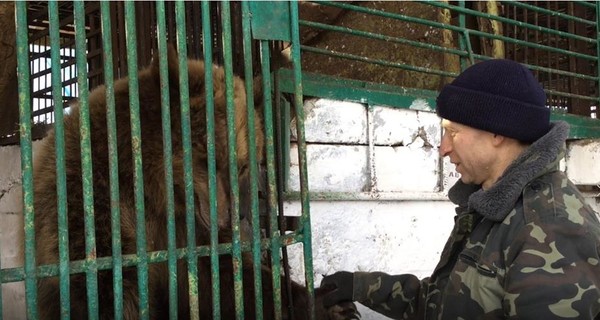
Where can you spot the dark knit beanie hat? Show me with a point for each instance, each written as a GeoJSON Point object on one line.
{"type": "Point", "coordinates": [499, 96]}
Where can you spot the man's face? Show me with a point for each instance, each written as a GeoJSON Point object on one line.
{"type": "Point", "coordinates": [470, 150]}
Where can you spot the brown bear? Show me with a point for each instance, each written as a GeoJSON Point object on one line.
{"type": "Point", "coordinates": [45, 202]}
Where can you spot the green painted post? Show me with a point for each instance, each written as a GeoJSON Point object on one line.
{"type": "Point", "coordinates": [302, 160]}
{"type": "Point", "coordinates": [463, 39]}
{"type": "Point", "coordinates": [26, 156]}
{"type": "Point", "coordinates": [61, 180]}
{"type": "Point", "coordinates": [233, 169]}
{"type": "Point", "coordinates": [254, 207]}
{"type": "Point", "coordinates": [192, 257]}
{"type": "Point", "coordinates": [210, 143]}
{"type": "Point", "coordinates": [167, 156]}
{"type": "Point", "coordinates": [86, 160]}
{"type": "Point", "coordinates": [113, 160]}
{"type": "Point", "coordinates": [136, 145]}
{"type": "Point", "coordinates": [598, 54]}
{"type": "Point", "coordinates": [271, 180]}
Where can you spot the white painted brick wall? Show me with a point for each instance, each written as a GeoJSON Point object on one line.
{"type": "Point", "coordinates": [341, 168]}
{"type": "Point", "coordinates": [582, 165]}
{"type": "Point", "coordinates": [329, 121]}
{"type": "Point", "coordinates": [407, 169]}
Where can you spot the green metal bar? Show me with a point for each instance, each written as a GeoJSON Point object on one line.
{"type": "Point", "coordinates": [543, 69]}
{"type": "Point", "coordinates": [465, 35]}
{"type": "Point", "coordinates": [26, 156]}
{"type": "Point", "coordinates": [282, 134]}
{"type": "Point", "coordinates": [167, 156]}
{"type": "Point", "coordinates": [302, 160]}
{"type": "Point", "coordinates": [586, 4]}
{"type": "Point", "coordinates": [188, 177]}
{"type": "Point", "coordinates": [113, 160]}
{"type": "Point", "coordinates": [463, 39]}
{"type": "Point", "coordinates": [598, 52]}
{"type": "Point", "coordinates": [136, 149]}
{"type": "Point", "coordinates": [271, 179]}
{"type": "Point", "coordinates": [254, 207]}
{"type": "Point", "coordinates": [210, 143]}
{"type": "Point", "coordinates": [61, 179]}
{"type": "Point", "coordinates": [475, 13]}
{"type": "Point", "coordinates": [359, 91]}
{"type": "Point", "coordinates": [553, 13]}
{"type": "Point", "coordinates": [233, 169]}
{"type": "Point", "coordinates": [376, 61]}
{"type": "Point", "coordinates": [533, 45]}
{"type": "Point", "coordinates": [86, 160]}
{"type": "Point", "coordinates": [131, 260]}
{"type": "Point", "coordinates": [560, 72]}
{"type": "Point", "coordinates": [454, 28]}
{"type": "Point", "coordinates": [581, 127]}
{"type": "Point", "coordinates": [570, 95]}
{"type": "Point", "coordinates": [381, 37]}
{"type": "Point", "coordinates": [369, 196]}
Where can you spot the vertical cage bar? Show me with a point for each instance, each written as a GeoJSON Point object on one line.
{"type": "Point", "coordinates": [598, 55]}
{"type": "Point", "coordinates": [23, 76]}
{"type": "Point", "coordinates": [86, 161]}
{"type": "Point", "coordinates": [302, 160]}
{"type": "Point", "coordinates": [464, 42]}
{"type": "Point", "coordinates": [463, 38]}
{"type": "Point", "coordinates": [281, 121]}
{"type": "Point", "coordinates": [233, 170]}
{"type": "Point", "coordinates": [271, 179]}
{"type": "Point", "coordinates": [192, 256]}
{"type": "Point", "coordinates": [113, 160]}
{"type": "Point", "coordinates": [210, 149]}
{"type": "Point", "coordinates": [254, 207]}
{"type": "Point", "coordinates": [167, 155]}
{"type": "Point", "coordinates": [136, 145]}
{"type": "Point", "coordinates": [61, 180]}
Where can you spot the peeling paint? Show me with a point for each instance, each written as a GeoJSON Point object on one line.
{"type": "Point", "coordinates": [8, 186]}
{"type": "Point", "coordinates": [421, 105]}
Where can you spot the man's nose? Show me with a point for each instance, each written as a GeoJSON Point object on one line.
{"type": "Point", "coordinates": [445, 148]}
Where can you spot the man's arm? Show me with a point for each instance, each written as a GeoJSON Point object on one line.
{"type": "Point", "coordinates": [396, 296]}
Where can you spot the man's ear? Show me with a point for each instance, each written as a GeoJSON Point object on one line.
{"type": "Point", "coordinates": [497, 139]}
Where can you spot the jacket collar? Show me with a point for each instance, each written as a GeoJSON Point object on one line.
{"type": "Point", "coordinates": [540, 157]}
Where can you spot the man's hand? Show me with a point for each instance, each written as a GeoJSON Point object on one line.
{"type": "Point", "coordinates": [341, 284]}
{"type": "Point", "coordinates": [343, 311]}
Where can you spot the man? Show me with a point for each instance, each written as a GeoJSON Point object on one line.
{"type": "Point", "coordinates": [524, 243]}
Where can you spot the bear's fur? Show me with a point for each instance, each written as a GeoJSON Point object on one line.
{"type": "Point", "coordinates": [45, 203]}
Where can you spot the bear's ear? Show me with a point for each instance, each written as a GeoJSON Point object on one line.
{"type": "Point", "coordinates": [172, 66]}
{"type": "Point", "coordinates": [173, 63]}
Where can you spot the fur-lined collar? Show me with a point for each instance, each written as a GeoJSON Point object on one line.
{"type": "Point", "coordinates": [540, 157]}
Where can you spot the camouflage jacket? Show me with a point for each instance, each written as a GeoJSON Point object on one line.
{"type": "Point", "coordinates": [526, 248]}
